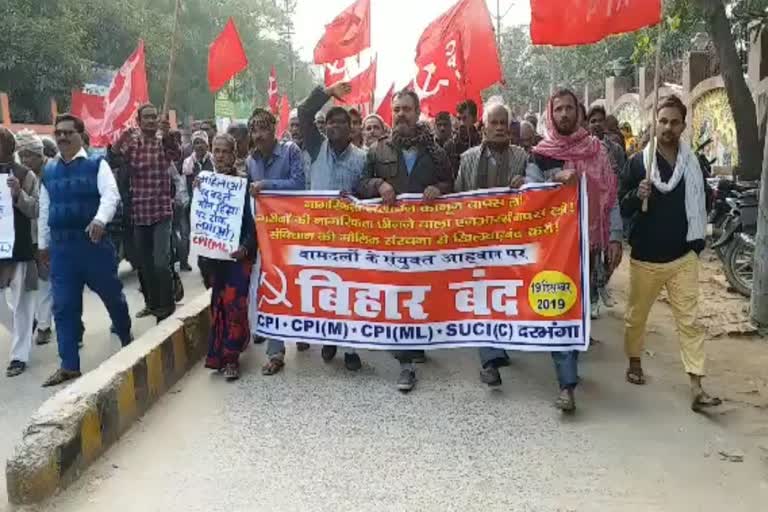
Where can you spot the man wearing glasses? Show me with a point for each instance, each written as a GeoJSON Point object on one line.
{"type": "Point", "coordinates": [78, 198]}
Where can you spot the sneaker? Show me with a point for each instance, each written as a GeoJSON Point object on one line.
{"type": "Point", "coordinates": [328, 352]}
{"type": "Point", "coordinates": [302, 347]}
{"type": "Point", "coordinates": [491, 377]}
{"type": "Point", "coordinates": [43, 336]}
{"type": "Point", "coordinates": [185, 267]}
{"type": "Point", "coordinates": [15, 369]}
{"type": "Point", "coordinates": [144, 313]}
{"type": "Point", "coordinates": [595, 310]}
{"type": "Point", "coordinates": [407, 380]}
{"type": "Point", "coordinates": [352, 362]}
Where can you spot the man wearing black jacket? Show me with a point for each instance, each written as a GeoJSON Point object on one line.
{"type": "Point", "coordinates": [666, 239]}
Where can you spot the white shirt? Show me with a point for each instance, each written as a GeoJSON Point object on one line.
{"type": "Point", "coordinates": [110, 198]}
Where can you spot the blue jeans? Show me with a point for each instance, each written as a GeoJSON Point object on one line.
{"type": "Point", "coordinates": [566, 364]}
{"type": "Point", "coordinates": [75, 264]}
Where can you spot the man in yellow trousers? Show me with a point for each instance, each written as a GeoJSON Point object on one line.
{"type": "Point", "coordinates": [666, 240]}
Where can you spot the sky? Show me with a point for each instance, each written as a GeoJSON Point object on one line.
{"type": "Point", "coordinates": [396, 28]}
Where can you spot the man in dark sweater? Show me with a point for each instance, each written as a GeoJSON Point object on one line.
{"type": "Point", "coordinates": [666, 239]}
{"type": "Point", "coordinates": [409, 161]}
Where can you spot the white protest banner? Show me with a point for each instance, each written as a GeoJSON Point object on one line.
{"type": "Point", "coordinates": [7, 232]}
{"type": "Point", "coordinates": [217, 215]}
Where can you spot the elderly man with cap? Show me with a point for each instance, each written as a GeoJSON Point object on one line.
{"type": "Point", "coordinates": [18, 270]}
{"type": "Point", "coordinates": [320, 122]}
{"type": "Point", "coordinates": [200, 160]}
{"type": "Point", "coordinates": [31, 151]}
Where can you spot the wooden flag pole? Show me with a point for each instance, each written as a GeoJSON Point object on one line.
{"type": "Point", "coordinates": [656, 80]}
{"type": "Point", "coordinates": [172, 58]}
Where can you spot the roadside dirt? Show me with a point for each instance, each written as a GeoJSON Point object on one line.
{"type": "Point", "coordinates": [737, 364]}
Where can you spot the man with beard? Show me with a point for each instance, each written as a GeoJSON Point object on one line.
{"type": "Point", "coordinates": [273, 165]}
{"type": "Point", "coordinates": [467, 136]}
{"type": "Point", "coordinates": [567, 154]}
{"type": "Point", "coordinates": [78, 198]}
{"type": "Point", "coordinates": [409, 161]}
{"type": "Point", "coordinates": [443, 128]}
{"type": "Point", "coordinates": [374, 128]}
{"type": "Point", "coordinates": [495, 163]}
{"type": "Point", "coordinates": [666, 241]}
{"type": "Point", "coordinates": [336, 163]}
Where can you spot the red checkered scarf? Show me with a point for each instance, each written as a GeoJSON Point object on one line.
{"type": "Point", "coordinates": [587, 156]}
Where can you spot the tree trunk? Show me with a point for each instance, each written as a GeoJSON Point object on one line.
{"type": "Point", "coordinates": [759, 309]}
{"type": "Point", "coordinates": [739, 95]}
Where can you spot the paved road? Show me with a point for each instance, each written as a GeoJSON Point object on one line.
{"type": "Point", "coordinates": [21, 396]}
{"type": "Point", "coordinates": [317, 438]}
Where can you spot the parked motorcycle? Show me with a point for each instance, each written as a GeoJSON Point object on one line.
{"type": "Point", "coordinates": [736, 244]}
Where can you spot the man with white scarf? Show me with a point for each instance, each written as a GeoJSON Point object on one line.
{"type": "Point", "coordinates": [666, 240]}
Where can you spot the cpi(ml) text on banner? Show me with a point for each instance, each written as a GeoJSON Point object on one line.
{"type": "Point", "coordinates": [217, 214]}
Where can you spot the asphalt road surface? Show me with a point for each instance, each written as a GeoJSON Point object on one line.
{"type": "Point", "coordinates": [317, 438]}
{"type": "Point", "coordinates": [21, 396]}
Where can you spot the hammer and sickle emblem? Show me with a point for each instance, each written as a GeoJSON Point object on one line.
{"type": "Point", "coordinates": [278, 296]}
{"type": "Point", "coordinates": [423, 90]}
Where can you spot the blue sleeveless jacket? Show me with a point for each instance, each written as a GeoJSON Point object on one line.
{"type": "Point", "coordinates": [74, 196]}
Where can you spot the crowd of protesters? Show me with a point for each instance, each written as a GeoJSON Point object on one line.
{"type": "Point", "coordinates": [77, 214]}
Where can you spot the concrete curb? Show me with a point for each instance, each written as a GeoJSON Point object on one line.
{"type": "Point", "coordinates": [78, 424]}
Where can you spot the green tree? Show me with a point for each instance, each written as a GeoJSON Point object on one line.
{"type": "Point", "coordinates": [48, 52]}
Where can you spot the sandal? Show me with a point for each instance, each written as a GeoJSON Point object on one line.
{"type": "Point", "coordinates": [274, 366]}
{"type": "Point", "coordinates": [231, 372]}
{"type": "Point", "coordinates": [703, 401]}
{"type": "Point", "coordinates": [635, 374]}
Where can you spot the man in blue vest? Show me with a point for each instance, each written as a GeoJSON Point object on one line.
{"type": "Point", "coordinates": [78, 198]}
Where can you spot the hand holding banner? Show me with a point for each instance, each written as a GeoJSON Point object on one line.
{"type": "Point", "coordinates": [217, 214]}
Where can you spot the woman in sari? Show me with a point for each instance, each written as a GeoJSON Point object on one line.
{"type": "Point", "coordinates": [229, 280]}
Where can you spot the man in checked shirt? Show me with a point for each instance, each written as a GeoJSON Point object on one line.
{"type": "Point", "coordinates": [148, 153]}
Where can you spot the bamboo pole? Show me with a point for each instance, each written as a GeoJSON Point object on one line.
{"type": "Point", "coordinates": [172, 58]}
{"type": "Point", "coordinates": [654, 116]}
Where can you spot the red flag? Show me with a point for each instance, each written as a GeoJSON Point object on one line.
{"type": "Point", "coordinates": [272, 94]}
{"type": "Point", "coordinates": [363, 86]}
{"type": "Point", "coordinates": [335, 72]}
{"type": "Point", "coordinates": [347, 35]}
{"type": "Point", "coordinates": [126, 93]}
{"type": "Point", "coordinates": [226, 57]}
{"type": "Point", "coordinates": [285, 116]}
{"type": "Point", "coordinates": [385, 107]}
{"type": "Point", "coordinates": [572, 22]}
{"type": "Point", "coordinates": [457, 57]}
{"type": "Point", "coordinates": [89, 108]}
